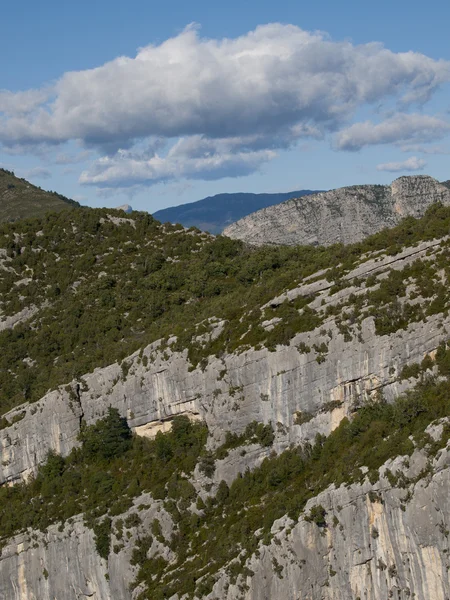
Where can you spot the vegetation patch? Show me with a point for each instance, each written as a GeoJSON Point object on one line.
{"type": "Point", "coordinates": [102, 486]}
{"type": "Point", "coordinates": [106, 286]}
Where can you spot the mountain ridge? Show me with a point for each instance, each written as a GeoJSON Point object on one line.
{"type": "Point", "coordinates": [213, 213]}
{"type": "Point", "coordinates": [343, 215]}
{"type": "Point", "coordinates": [188, 417]}
{"type": "Point", "coordinates": [20, 199]}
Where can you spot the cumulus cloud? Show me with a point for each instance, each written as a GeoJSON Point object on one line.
{"type": "Point", "coordinates": [265, 90]}
{"type": "Point", "coordinates": [398, 128]}
{"type": "Point", "coordinates": [410, 164]}
{"type": "Point", "coordinates": [21, 103]}
{"type": "Point", "coordinates": [191, 158]}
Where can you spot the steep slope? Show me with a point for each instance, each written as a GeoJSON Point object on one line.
{"type": "Point", "coordinates": [370, 538]}
{"type": "Point", "coordinates": [343, 215]}
{"type": "Point", "coordinates": [94, 286]}
{"type": "Point", "coordinates": [214, 213]}
{"type": "Point", "coordinates": [292, 463]}
{"type": "Point", "coordinates": [20, 199]}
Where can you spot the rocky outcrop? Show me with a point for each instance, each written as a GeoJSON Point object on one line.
{"type": "Point", "coordinates": [259, 386]}
{"type": "Point", "coordinates": [57, 564]}
{"type": "Point", "coordinates": [216, 212]}
{"type": "Point", "coordinates": [384, 540]}
{"type": "Point", "coordinates": [152, 386]}
{"type": "Point", "coordinates": [343, 215]}
{"type": "Point", "coordinates": [380, 541]}
{"type": "Point", "coordinates": [62, 563]}
{"type": "Point", "coordinates": [21, 317]}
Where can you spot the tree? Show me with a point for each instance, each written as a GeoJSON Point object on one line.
{"type": "Point", "coordinates": [107, 438]}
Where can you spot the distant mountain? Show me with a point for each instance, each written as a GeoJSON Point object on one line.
{"type": "Point", "coordinates": [345, 215]}
{"type": "Point", "coordinates": [126, 208]}
{"type": "Point", "coordinates": [20, 199]}
{"type": "Point", "coordinates": [214, 213]}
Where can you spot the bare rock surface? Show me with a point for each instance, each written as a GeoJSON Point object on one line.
{"type": "Point", "coordinates": [231, 392]}
{"type": "Point", "coordinates": [343, 215]}
{"type": "Point", "coordinates": [380, 541]}
{"type": "Point", "coordinates": [62, 563]}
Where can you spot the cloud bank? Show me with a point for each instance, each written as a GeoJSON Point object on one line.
{"type": "Point", "coordinates": [397, 129]}
{"type": "Point", "coordinates": [215, 108]}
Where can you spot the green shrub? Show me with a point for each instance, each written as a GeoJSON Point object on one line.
{"type": "Point", "coordinates": [207, 465]}
{"type": "Point", "coordinates": [102, 531]}
{"type": "Point", "coordinates": [317, 515]}
{"type": "Point", "coordinates": [302, 416]}
{"type": "Point", "coordinates": [409, 371]}
{"type": "Point", "coordinates": [107, 438]}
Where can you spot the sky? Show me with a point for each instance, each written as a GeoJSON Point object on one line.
{"type": "Point", "coordinates": [157, 104]}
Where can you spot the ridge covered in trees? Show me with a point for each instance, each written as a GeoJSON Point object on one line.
{"type": "Point", "coordinates": [20, 199]}
{"type": "Point", "coordinates": [93, 286]}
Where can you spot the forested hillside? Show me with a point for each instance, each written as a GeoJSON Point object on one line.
{"type": "Point", "coordinates": [207, 418]}
{"type": "Point", "coordinates": [90, 287]}
{"type": "Point", "coordinates": [20, 199]}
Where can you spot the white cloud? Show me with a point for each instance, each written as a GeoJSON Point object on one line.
{"type": "Point", "coordinates": [21, 103]}
{"type": "Point", "coordinates": [264, 90]}
{"type": "Point", "coordinates": [191, 158]}
{"type": "Point", "coordinates": [398, 128]}
{"type": "Point", "coordinates": [410, 164]}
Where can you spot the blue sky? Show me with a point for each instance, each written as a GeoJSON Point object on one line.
{"type": "Point", "coordinates": [252, 98]}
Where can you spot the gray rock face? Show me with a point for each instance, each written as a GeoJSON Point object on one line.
{"type": "Point", "coordinates": [408, 557]}
{"type": "Point", "coordinates": [392, 543]}
{"type": "Point", "coordinates": [63, 563]}
{"type": "Point", "coordinates": [231, 392]}
{"type": "Point", "coordinates": [344, 215]}
{"type": "Point", "coordinates": [380, 541]}
{"type": "Point", "coordinates": [125, 207]}
{"type": "Point", "coordinates": [272, 387]}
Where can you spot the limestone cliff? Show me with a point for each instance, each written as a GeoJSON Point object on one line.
{"type": "Point", "coordinates": [230, 392]}
{"type": "Point", "coordinates": [388, 540]}
{"type": "Point", "coordinates": [383, 535]}
{"type": "Point", "coordinates": [382, 541]}
{"type": "Point", "coordinates": [343, 215]}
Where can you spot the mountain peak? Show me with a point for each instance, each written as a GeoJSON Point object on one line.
{"type": "Point", "coordinates": [342, 215]}
{"type": "Point", "coordinates": [214, 213]}
{"type": "Point", "coordinates": [126, 208]}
